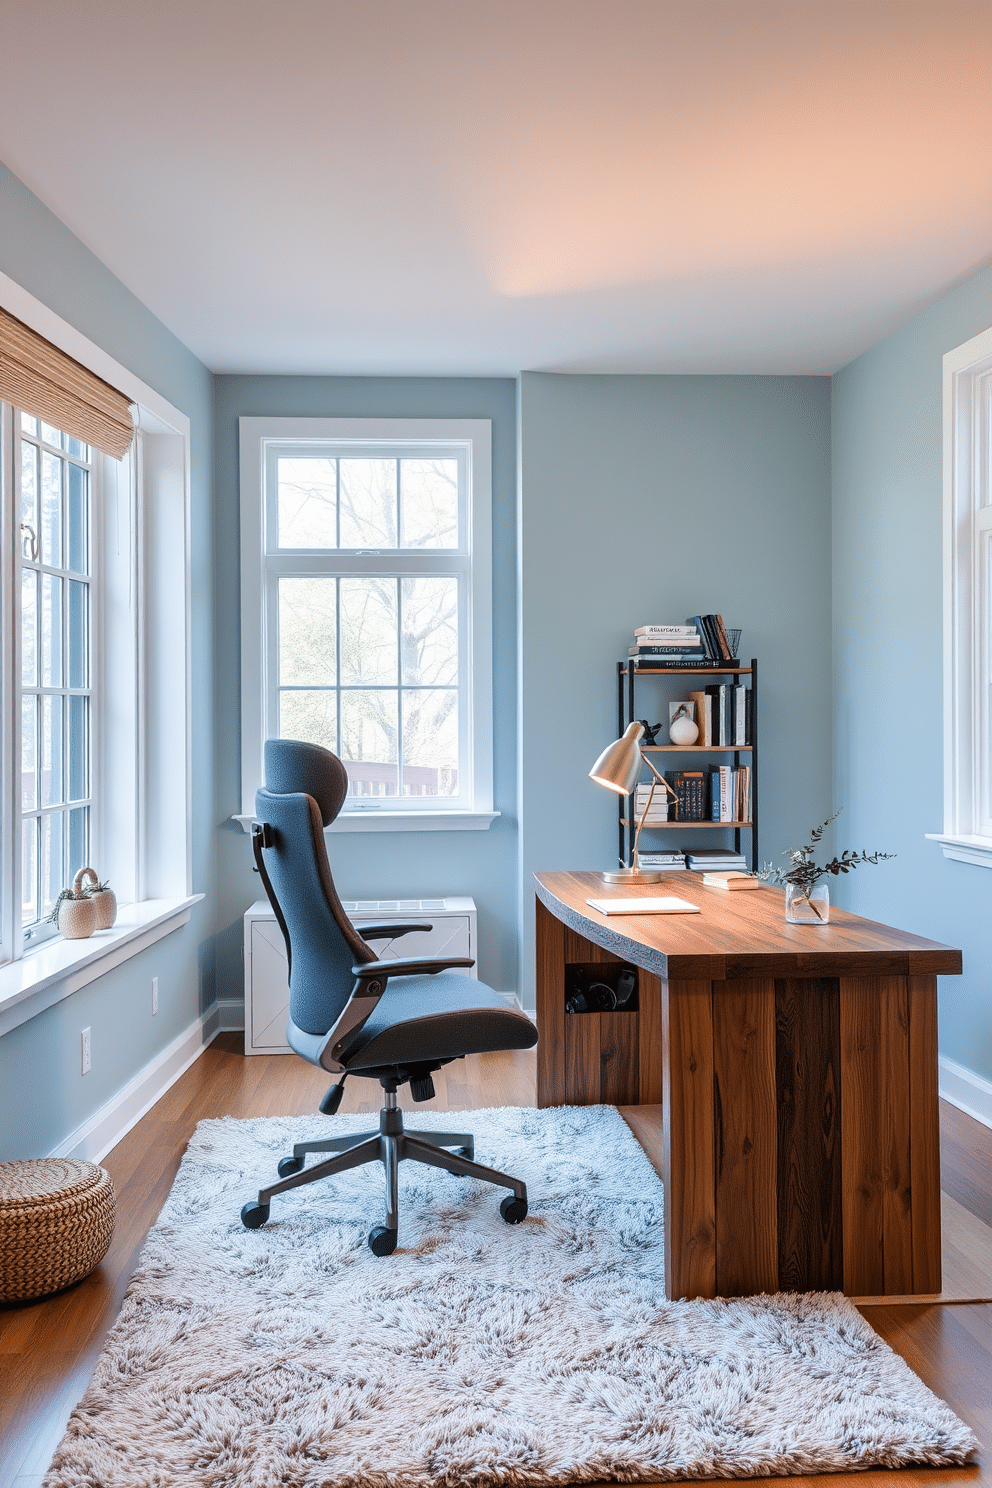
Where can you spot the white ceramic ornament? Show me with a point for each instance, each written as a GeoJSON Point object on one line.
{"type": "Point", "coordinates": [682, 730]}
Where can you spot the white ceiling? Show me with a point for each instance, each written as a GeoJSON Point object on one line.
{"type": "Point", "coordinates": [480, 186]}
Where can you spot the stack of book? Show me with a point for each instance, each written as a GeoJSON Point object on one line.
{"type": "Point", "coordinates": [730, 793]}
{"type": "Point", "coordinates": [658, 815]}
{"type": "Point", "coordinates": [670, 860]}
{"type": "Point", "coordinates": [667, 645]}
{"type": "Point", "coordinates": [714, 636]}
{"type": "Point", "coordinates": [724, 715]}
{"type": "Point", "coordinates": [711, 859]}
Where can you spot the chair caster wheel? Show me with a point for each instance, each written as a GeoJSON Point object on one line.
{"type": "Point", "coordinates": [513, 1209]}
{"type": "Point", "coordinates": [288, 1166]}
{"type": "Point", "coordinates": [253, 1216]}
{"type": "Point", "coordinates": [468, 1152]}
{"type": "Point", "coordinates": [382, 1242]}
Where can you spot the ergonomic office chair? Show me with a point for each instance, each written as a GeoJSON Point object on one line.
{"type": "Point", "coordinates": [352, 1014]}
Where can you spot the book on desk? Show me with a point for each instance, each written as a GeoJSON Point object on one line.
{"type": "Point", "coordinates": [643, 906]}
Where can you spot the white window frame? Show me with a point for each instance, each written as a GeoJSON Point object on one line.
{"type": "Point", "coordinates": [473, 437]}
{"type": "Point", "coordinates": [142, 820]}
{"type": "Point", "coordinates": [15, 940]}
{"type": "Point", "coordinates": [967, 834]}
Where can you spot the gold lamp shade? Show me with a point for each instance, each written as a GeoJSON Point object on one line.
{"type": "Point", "coordinates": [619, 765]}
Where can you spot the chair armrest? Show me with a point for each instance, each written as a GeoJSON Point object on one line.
{"type": "Point", "coordinates": [353, 1016]}
{"type": "Point", "coordinates": [409, 966]}
{"type": "Point", "coordinates": [388, 932]}
{"type": "Point", "coordinates": [370, 984]}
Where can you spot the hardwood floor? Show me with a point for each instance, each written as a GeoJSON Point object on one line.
{"type": "Point", "coordinates": [48, 1348]}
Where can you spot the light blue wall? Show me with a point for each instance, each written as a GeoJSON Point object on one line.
{"type": "Point", "coordinates": [43, 1096]}
{"type": "Point", "coordinates": [888, 689]}
{"type": "Point", "coordinates": [650, 499]}
{"type": "Point", "coordinates": [379, 865]}
{"type": "Point", "coordinates": [641, 498]}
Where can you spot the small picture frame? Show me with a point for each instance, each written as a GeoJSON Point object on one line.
{"type": "Point", "coordinates": [689, 711]}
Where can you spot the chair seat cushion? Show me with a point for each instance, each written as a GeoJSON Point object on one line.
{"type": "Point", "coordinates": [422, 1018]}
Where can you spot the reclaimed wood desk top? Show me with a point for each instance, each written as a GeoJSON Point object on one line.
{"type": "Point", "coordinates": [737, 935]}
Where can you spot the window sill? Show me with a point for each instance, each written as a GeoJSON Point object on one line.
{"type": "Point", "coordinates": [404, 821]}
{"type": "Point", "coordinates": [964, 848]}
{"type": "Point", "coordinates": [60, 967]}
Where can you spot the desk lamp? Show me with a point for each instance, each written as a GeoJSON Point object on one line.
{"type": "Point", "coordinates": [618, 768]}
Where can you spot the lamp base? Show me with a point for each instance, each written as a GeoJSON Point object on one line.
{"type": "Point", "coordinates": [632, 876]}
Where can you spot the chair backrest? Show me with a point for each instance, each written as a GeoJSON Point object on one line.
{"type": "Point", "coordinates": [305, 787]}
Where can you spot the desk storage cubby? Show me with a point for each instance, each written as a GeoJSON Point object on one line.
{"type": "Point", "coordinates": [588, 1059]}
{"type": "Point", "coordinates": [604, 988]}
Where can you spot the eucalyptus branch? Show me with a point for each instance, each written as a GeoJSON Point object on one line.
{"type": "Point", "coordinates": [804, 872]}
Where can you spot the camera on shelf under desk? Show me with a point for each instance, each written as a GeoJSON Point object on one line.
{"type": "Point", "coordinates": [600, 989]}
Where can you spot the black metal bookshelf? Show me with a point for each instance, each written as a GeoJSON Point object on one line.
{"type": "Point", "coordinates": [628, 674]}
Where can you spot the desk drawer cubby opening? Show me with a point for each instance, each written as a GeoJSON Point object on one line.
{"type": "Point", "coordinates": [600, 987]}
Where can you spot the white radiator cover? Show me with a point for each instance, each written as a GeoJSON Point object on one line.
{"type": "Point", "coordinates": [266, 982]}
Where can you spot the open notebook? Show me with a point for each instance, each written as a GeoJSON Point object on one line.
{"type": "Point", "coordinates": [643, 906]}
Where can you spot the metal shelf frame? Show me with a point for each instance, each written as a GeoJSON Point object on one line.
{"type": "Point", "coordinates": [627, 674]}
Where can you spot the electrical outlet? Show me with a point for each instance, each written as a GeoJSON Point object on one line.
{"type": "Point", "coordinates": [154, 996]}
{"type": "Point", "coordinates": [84, 1050]}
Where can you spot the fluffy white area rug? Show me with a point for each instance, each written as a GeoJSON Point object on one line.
{"type": "Point", "coordinates": [479, 1352]}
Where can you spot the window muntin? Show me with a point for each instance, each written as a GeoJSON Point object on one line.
{"type": "Point", "coordinates": [368, 580]}
{"type": "Point", "coordinates": [53, 476]}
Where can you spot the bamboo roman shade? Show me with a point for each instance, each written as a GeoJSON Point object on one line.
{"type": "Point", "coordinates": [47, 384]}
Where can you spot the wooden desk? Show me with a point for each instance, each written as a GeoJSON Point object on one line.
{"type": "Point", "coordinates": [797, 1070]}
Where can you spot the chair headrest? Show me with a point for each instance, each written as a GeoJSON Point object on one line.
{"type": "Point", "coordinates": [292, 766]}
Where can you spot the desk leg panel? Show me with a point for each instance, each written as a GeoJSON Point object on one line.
{"type": "Point", "coordinates": [650, 1082]}
{"type": "Point", "coordinates": [618, 1059]}
{"type": "Point", "coordinates": [583, 1064]}
{"type": "Point", "coordinates": [810, 1228]}
{"type": "Point", "coordinates": [746, 1137]}
{"type": "Point", "coordinates": [550, 983]}
{"type": "Point", "coordinates": [876, 1135]}
{"type": "Point", "coordinates": [925, 1133]}
{"type": "Point", "coordinates": [688, 1153]}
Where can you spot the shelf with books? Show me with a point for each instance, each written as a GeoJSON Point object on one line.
{"type": "Point", "coordinates": [696, 748]}
{"type": "Point", "coordinates": [690, 667]}
{"type": "Point", "coordinates": [684, 826]}
{"type": "Point", "coordinates": [736, 782]}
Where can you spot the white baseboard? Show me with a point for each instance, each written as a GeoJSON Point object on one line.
{"type": "Point", "coordinates": [231, 1016]}
{"type": "Point", "coordinates": [105, 1128]}
{"type": "Point", "coordinates": [966, 1090]}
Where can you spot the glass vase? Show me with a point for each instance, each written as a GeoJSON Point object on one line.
{"type": "Point", "coordinates": [812, 908]}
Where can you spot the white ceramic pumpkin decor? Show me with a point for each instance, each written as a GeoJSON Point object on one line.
{"type": "Point", "coordinates": [682, 730]}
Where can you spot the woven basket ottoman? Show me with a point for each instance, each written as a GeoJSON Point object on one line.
{"type": "Point", "coordinates": [56, 1222]}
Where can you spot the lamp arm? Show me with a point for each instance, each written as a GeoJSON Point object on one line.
{"type": "Point", "coordinates": [659, 779]}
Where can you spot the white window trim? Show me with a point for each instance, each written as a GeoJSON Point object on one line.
{"type": "Point", "coordinates": [158, 873]}
{"type": "Point", "coordinates": [967, 834]}
{"type": "Point", "coordinates": [252, 434]}
{"type": "Point", "coordinates": [60, 967]}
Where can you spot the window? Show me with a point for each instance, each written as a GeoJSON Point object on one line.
{"type": "Point", "coordinates": [50, 484]}
{"type": "Point", "coordinates": [94, 666]}
{"type": "Point", "coordinates": [967, 833]}
{"type": "Point", "coordinates": [52, 475]}
{"type": "Point", "coordinates": [366, 609]}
